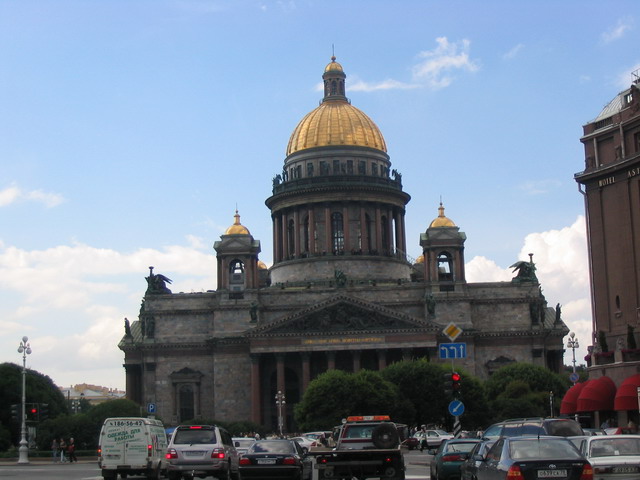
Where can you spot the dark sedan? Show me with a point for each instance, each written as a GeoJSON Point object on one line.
{"type": "Point", "coordinates": [270, 459]}
{"type": "Point", "coordinates": [534, 458]}
{"type": "Point", "coordinates": [469, 468]}
{"type": "Point", "coordinates": [446, 462]}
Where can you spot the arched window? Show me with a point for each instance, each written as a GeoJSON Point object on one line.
{"type": "Point", "coordinates": [236, 272]}
{"type": "Point", "coordinates": [337, 232]}
{"type": "Point", "coordinates": [291, 237]}
{"type": "Point", "coordinates": [334, 87]}
{"type": "Point", "coordinates": [185, 402]}
{"type": "Point", "coordinates": [445, 267]}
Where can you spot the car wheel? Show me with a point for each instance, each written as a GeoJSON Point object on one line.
{"type": "Point", "coordinates": [154, 474]}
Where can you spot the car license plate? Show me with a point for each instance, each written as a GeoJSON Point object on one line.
{"type": "Point", "coordinates": [625, 469]}
{"type": "Point", "coordinates": [193, 453]}
{"type": "Point", "coordinates": [266, 461]}
{"type": "Point", "coordinates": [552, 473]}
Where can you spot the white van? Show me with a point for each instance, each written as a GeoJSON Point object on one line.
{"type": "Point", "coordinates": [131, 446]}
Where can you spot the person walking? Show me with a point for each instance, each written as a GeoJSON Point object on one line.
{"type": "Point", "coordinates": [63, 448]}
{"type": "Point", "coordinates": [71, 451]}
{"type": "Point", "coordinates": [55, 446]}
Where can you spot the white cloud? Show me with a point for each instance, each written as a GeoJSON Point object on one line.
{"type": "Point", "coordinates": [618, 31]}
{"type": "Point", "coordinates": [71, 300]}
{"type": "Point", "coordinates": [437, 68]}
{"type": "Point", "coordinates": [563, 271]}
{"type": "Point", "coordinates": [362, 86]}
{"type": "Point", "coordinates": [513, 53]}
{"type": "Point", "coordinates": [14, 194]}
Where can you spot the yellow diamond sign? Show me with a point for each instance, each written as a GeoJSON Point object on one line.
{"type": "Point", "coordinates": [452, 331]}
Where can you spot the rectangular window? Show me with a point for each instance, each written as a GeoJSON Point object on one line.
{"type": "Point", "coordinates": [362, 167]}
{"type": "Point", "coordinates": [309, 169]}
{"type": "Point", "coordinates": [374, 169]}
{"type": "Point", "coordinates": [324, 168]}
{"type": "Point", "coordinates": [336, 167]}
{"type": "Point", "coordinates": [350, 167]}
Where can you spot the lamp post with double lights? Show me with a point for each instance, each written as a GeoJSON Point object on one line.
{"type": "Point", "coordinates": [23, 451]}
{"type": "Point", "coordinates": [280, 402]}
{"type": "Point", "coordinates": [572, 343]}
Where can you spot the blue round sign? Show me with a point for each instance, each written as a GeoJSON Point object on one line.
{"type": "Point", "coordinates": [456, 408]}
{"type": "Point", "coordinates": [574, 377]}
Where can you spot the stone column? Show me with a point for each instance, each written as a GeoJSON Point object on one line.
{"type": "Point", "coordinates": [356, 360]}
{"type": "Point", "coordinates": [406, 354]}
{"type": "Point", "coordinates": [382, 359]}
{"type": "Point", "coordinates": [285, 236]}
{"type": "Point", "coordinates": [296, 233]}
{"type": "Point", "coordinates": [276, 239]}
{"type": "Point", "coordinates": [364, 239]}
{"type": "Point", "coordinates": [345, 227]}
{"type": "Point", "coordinates": [331, 360]}
{"type": "Point", "coordinates": [378, 231]}
{"type": "Point", "coordinates": [327, 230]}
{"type": "Point", "coordinates": [312, 232]}
{"type": "Point", "coordinates": [255, 389]}
{"type": "Point", "coordinates": [306, 371]}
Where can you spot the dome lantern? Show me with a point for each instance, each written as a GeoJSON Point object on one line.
{"type": "Point", "coordinates": [237, 228]}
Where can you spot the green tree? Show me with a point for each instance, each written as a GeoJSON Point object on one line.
{"type": "Point", "coordinates": [523, 389]}
{"type": "Point", "coordinates": [336, 394]}
{"type": "Point", "coordinates": [422, 384]}
{"type": "Point", "coordinates": [39, 389]}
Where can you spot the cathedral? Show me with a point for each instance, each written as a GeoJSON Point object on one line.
{"type": "Point", "coordinates": [342, 293]}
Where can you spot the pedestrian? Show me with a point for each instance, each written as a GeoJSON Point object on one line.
{"type": "Point", "coordinates": [55, 446]}
{"type": "Point", "coordinates": [63, 448]}
{"type": "Point", "coordinates": [71, 451]}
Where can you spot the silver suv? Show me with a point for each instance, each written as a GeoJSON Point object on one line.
{"type": "Point", "coordinates": [201, 451]}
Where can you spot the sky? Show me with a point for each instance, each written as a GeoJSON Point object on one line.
{"type": "Point", "coordinates": [131, 130]}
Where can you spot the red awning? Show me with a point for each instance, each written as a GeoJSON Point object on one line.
{"type": "Point", "coordinates": [568, 405]}
{"type": "Point", "coordinates": [598, 395]}
{"type": "Point", "coordinates": [627, 395]}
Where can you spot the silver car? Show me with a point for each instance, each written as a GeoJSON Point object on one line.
{"type": "Point", "coordinates": [201, 451]}
{"type": "Point", "coordinates": [613, 456]}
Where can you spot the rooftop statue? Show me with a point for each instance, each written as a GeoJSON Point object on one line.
{"type": "Point", "coordinates": [157, 284]}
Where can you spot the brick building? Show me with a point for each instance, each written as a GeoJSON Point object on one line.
{"type": "Point", "coordinates": [610, 183]}
{"type": "Point", "coordinates": [341, 292]}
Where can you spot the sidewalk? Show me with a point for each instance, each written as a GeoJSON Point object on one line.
{"type": "Point", "coordinates": [45, 461]}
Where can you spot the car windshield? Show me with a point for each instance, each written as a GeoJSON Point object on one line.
{"type": "Point", "coordinates": [441, 432]}
{"type": "Point", "coordinates": [359, 431]}
{"type": "Point", "coordinates": [543, 449]}
{"type": "Point", "coordinates": [272, 446]}
{"type": "Point", "coordinates": [614, 447]}
{"type": "Point", "coordinates": [459, 446]}
{"type": "Point", "coordinates": [195, 435]}
{"type": "Point", "coordinates": [244, 442]}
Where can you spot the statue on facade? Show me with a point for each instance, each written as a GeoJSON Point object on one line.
{"type": "Point", "coordinates": [526, 272]}
{"type": "Point", "coordinates": [558, 313]}
{"type": "Point", "coordinates": [253, 311]}
{"type": "Point", "coordinates": [127, 328]}
{"type": "Point", "coordinates": [341, 278]}
{"type": "Point", "coordinates": [430, 301]}
{"type": "Point", "coordinates": [157, 284]}
{"type": "Point", "coordinates": [151, 326]}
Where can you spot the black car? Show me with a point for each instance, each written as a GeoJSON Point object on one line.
{"type": "Point", "coordinates": [534, 458]}
{"type": "Point", "coordinates": [281, 459]}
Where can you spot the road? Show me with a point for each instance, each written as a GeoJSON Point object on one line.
{"type": "Point", "coordinates": [417, 464]}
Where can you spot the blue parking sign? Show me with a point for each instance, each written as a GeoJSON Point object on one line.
{"type": "Point", "coordinates": [151, 408]}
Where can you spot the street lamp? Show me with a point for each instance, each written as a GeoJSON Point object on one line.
{"type": "Point", "coordinates": [572, 343]}
{"type": "Point", "coordinates": [24, 349]}
{"type": "Point", "coordinates": [280, 402]}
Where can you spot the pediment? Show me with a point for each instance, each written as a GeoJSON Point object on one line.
{"type": "Point", "coordinates": [236, 243]}
{"type": "Point", "coordinates": [343, 314]}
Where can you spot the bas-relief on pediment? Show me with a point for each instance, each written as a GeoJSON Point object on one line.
{"type": "Point", "coordinates": [342, 316]}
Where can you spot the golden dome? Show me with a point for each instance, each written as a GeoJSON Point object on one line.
{"type": "Point", "coordinates": [237, 228]}
{"type": "Point", "coordinates": [335, 122]}
{"type": "Point", "coordinates": [333, 66]}
{"type": "Point", "coordinates": [420, 259]}
{"type": "Point", "coordinates": [262, 265]}
{"type": "Point", "coordinates": [441, 220]}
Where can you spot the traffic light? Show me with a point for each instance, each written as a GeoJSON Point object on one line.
{"type": "Point", "coordinates": [32, 412]}
{"type": "Point", "coordinates": [44, 411]}
{"type": "Point", "coordinates": [448, 384]}
{"type": "Point", "coordinates": [456, 378]}
{"type": "Point", "coordinates": [15, 412]}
